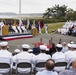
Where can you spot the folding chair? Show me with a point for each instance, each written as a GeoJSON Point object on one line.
{"type": "Point", "coordinates": [69, 66]}
{"type": "Point", "coordinates": [40, 66]}
{"type": "Point", "coordinates": [24, 65]}
{"type": "Point", "coordinates": [5, 67]}
{"type": "Point", "coordinates": [59, 66]}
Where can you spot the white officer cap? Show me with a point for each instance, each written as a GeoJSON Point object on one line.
{"type": "Point", "coordinates": [30, 50]}
{"type": "Point", "coordinates": [72, 42]}
{"type": "Point", "coordinates": [25, 46]}
{"type": "Point", "coordinates": [73, 45]}
{"type": "Point", "coordinates": [69, 45]}
{"type": "Point", "coordinates": [17, 50]}
{"type": "Point", "coordinates": [47, 49]}
{"type": "Point", "coordinates": [43, 47]}
{"type": "Point", "coordinates": [4, 43]}
{"type": "Point", "coordinates": [59, 45]}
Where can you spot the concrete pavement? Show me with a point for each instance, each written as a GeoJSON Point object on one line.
{"type": "Point", "coordinates": [14, 44]}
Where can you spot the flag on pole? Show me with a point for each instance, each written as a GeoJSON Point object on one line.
{"type": "Point", "coordinates": [20, 23]}
{"type": "Point", "coordinates": [28, 23]}
{"type": "Point", "coordinates": [39, 27]}
{"type": "Point", "coordinates": [41, 24]}
{"type": "Point", "coordinates": [15, 23]}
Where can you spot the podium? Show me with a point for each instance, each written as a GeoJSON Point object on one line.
{"type": "Point", "coordinates": [4, 30]}
{"type": "Point", "coordinates": [34, 31]}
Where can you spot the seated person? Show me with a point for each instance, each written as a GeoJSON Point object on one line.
{"type": "Point", "coordinates": [49, 65]}
{"type": "Point", "coordinates": [71, 71]}
{"type": "Point", "coordinates": [36, 49]}
{"type": "Point", "coordinates": [19, 29]}
{"type": "Point", "coordinates": [42, 57]}
{"type": "Point", "coordinates": [14, 28]}
{"type": "Point", "coordinates": [23, 56]}
{"type": "Point", "coordinates": [40, 43]}
{"type": "Point", "coordinates": [59, 57]}
{"type": "Point", "coordinates": [5, 57]}
{"type": "Point", "coordinates": [24, 29]}
{"type": "Point", "coordinates": [64, 47]}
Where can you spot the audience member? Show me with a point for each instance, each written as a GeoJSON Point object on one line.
{"type": "Point", "coordinates": [49, 66]}
{"type": "Point", "coordinates": [14, 58]}
{"type": "Point", "coordinates": [42, 57]}
{"type": "Point", "coordinates": [40, 43]}
{"type": "Point", "coordinates": [68, 53]}
{"type": "Point", "coordinates": [46, 29]}
{"type": "Point", "coordinates": [49, 45]}
{"type": "Point", "coordinates": [24, 56]}
{"type": "Point", "coordinates": [31, 52]}
{"type": "Point", "coordinates": [16, 51]}
{"type": "Point", "coordinates": [5, 56]}
{"type": "Point", "coordinates": [65, 48]}
{"type": "Point", "coordinates": [52, 49]}
{"type": "Point", "coordinates": [58, 57]}
{"type": "Point", "coordinates": [71, 71]}
{"type": "Point", "coordinates": [36, 49]}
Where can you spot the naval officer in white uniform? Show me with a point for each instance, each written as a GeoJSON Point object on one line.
{"type": "Point", "coordinates": [24, 56]}
{"type": "Point", "coordinates": [5, 56]}
{"type": "Point", "coordinates": [42, 57]}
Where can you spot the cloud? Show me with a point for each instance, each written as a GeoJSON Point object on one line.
{"type": "Point", "coordinates": [33, 6]}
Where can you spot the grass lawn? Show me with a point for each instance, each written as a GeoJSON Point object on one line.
{"type": "Point", "coordinates": [53, 26]}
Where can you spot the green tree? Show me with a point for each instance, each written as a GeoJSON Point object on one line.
{"type": "Point", "coordinates": [70, 14]}
{"type": "Point", "coordinates": [48, 13]}
{"type": "Point", "coordinates": [56, 11]}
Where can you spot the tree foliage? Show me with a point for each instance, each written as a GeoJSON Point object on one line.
{"type": "Point", "coordinates": [58, 12]}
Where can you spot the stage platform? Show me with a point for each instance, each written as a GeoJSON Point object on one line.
{"type": "Point", "coordinates": [16, 36]}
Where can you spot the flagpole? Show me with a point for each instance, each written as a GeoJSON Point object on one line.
{"type": "Point", "coordinates": [19, 12]}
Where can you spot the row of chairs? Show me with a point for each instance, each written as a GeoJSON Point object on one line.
{"type": "Point", "coordinates": [25, 65]}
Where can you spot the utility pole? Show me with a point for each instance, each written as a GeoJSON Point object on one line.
{"type": "Point", "coordinates": [19, 12]}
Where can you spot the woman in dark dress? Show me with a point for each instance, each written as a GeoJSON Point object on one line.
{"type": "Point", "coordinates": [52, 49]}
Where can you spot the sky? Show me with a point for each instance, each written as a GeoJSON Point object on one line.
{"type": "Point", "coordinates": [33, 6]}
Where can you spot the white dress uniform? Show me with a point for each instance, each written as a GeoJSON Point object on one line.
{"type": "Point", "coordinates": [58, 57]}
{"type": "Point", "coordinates": [24, 57]}
{"type": "Point", "coordinates": [24, 29]}
{"type": "Point", "coordinates": [42, 57]}
{"type": "Point", "coordinates": [21, 57]}
{"type": "Point", "coordinates": [46, 29]}
{"type": "Point", "coordinates": [5, 56]}
{"type": "Point", "coordinates": [14, 28]}
{"type": "Point", "coordinates": [68, 56]}
{"type": "Point", "coordinates": [19, 28]}
{"type": "Point", "coordinates": [71, 55]}
{"type": "Point", "coordinates": [1, 25]}
{"type": "Point", "coordinates": [30, 51]}
{"type": "Point", "coordinates": [14, 57]}
{"type": "Point", "coordinates": [59, 30]}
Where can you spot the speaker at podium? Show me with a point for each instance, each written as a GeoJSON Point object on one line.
{"type": "Point", "coordinates": [5, 30]}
